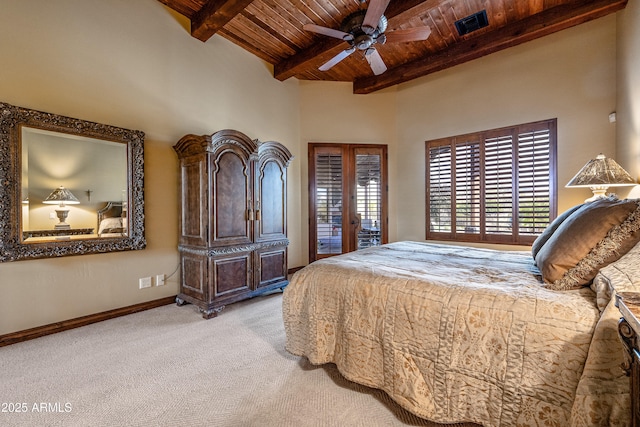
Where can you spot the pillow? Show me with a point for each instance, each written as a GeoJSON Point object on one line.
{"type": "Point", "coordinates": [551, 228]}
{"type": "Point", "coordinates": [109, 224]}
{"type": "Point", "coordinates": [593, 236]}
{"type": "Point", "coordinates": [622, 275]}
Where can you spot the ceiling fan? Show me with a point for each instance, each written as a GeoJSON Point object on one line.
{"type": "Point", "coordinates": [365, 28]}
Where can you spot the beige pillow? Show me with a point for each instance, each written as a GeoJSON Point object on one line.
{"type": "Point", "coordinates": [590, 238]}
{"type": "Point", "coordinates": [551, 228]}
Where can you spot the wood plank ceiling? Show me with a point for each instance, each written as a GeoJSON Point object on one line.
{"type": "Point", "coordinates": [273, 31]}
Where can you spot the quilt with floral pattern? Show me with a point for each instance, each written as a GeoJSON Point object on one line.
{"type": "Point", "coordinates": [459, 334]}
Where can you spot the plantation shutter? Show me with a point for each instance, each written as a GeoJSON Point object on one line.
{"type": "Point", "coordinates": [495, 186]}
{"type": "Point", "coordinates": [499, 184]}
{"type": "Point", "coordinates": [534, 174]}
{"type": "Point", "coordinates": [328, 204]}
{"type": "Point", "coordinates": [368, 197]}
{"type": "Point", "coordinates": [439, 185]}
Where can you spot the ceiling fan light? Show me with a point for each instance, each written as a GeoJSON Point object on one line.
{"type": "Point", "coordinates": [363, 42]}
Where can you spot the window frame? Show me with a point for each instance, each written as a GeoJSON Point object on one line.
{"type": "Point", "coordinates": [518, 134]}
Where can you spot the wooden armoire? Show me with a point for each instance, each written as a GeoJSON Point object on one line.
{"type": "Point", "coordinates": [233, 219]}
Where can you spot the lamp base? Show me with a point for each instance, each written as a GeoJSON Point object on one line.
{"type": "Point", "coordinates": [599, 192]}
{"type": "Point", "coordinates": [62, 216]}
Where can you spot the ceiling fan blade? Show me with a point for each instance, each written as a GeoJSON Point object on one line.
{"type": "Point", "coordinates": [339, 57]}
{"type": "Point", "coordinates": [375, 10]}
{"type": "Point", "coordinates": [408, 35]}
{"type": "Point", "coordinates": [328, 32]}
{"type": "Point", "coordinates": [375, 61]}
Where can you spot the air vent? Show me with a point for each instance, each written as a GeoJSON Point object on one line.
{"type": "Point", "coordinates": [472, 22]}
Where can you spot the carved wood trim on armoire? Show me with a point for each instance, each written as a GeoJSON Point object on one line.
{"type": "Point", "coordinates": [233, 219]}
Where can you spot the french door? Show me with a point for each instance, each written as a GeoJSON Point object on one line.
{"type": "Point", "coordinates": [347, 198]}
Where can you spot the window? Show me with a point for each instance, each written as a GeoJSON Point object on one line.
{"type": "Point", "coordinates": [496, 186]}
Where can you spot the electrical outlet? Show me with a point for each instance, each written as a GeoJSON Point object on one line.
{"type": "Point", "coordinates": [160, 280]}
{"type": "Point", "coordinates": [144, 282]}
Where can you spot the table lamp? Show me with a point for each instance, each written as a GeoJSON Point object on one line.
{"type": "Point", "coordinates": [61, 197]}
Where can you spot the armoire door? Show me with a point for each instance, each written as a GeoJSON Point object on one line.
{"type": "Point", "coordinates": [270, 201]}
{"type": "Point", "coordinates": [231, 198]}
{"type": "Point", "coordinates": [347, 198]}
{"type": "Point", "coordinates": [270, 204]}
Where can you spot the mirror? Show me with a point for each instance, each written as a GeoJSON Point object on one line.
{"type": "Point", "coordinates": [68, 186]}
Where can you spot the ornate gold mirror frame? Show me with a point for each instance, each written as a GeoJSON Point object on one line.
{"type": "Point", "coordinates": [14, 245]}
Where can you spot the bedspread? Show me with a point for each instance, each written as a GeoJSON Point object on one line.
{"type": "Point", "coordinates": [460, 334]}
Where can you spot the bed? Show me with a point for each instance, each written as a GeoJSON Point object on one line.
{"type": "Point", "coordinates": [498, 338]}
{"type": "Point", "coordinates": [112, 220]}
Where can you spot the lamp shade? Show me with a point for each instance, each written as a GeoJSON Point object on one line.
{"type": "Point", "coordinates": [599, 174]}
{"type": "Point", "coordinates": [61, 196]}
{"type": "Point", "coordinates": [601, 171]}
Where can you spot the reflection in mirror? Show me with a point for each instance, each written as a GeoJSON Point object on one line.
{"type": "Point", "coordinates": [69, 187]}
{"type": "Point", "coordinates": [66, 180]}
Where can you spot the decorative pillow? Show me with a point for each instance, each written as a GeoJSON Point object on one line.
{"type": "Point", "coordinates": [551, 228]}
{"type": "Point", "coordinates": [622, 275]}
{"type": "Point", "coordinates": [593, 236]}
{"type": "Point", "coordinates": [109, 224]}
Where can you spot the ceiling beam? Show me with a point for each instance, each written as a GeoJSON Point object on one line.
{"type": "Point", "coordinates": [544, 23]}
{"type": "Point", "coordinates": [214, 15]}
{"type": "Point", "coordinates": [327, 48]}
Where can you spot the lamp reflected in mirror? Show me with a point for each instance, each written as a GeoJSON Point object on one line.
{"type": "Point", "coordinates": [62, 197]}
{"type": "Point", "coordinates": [599, 174]}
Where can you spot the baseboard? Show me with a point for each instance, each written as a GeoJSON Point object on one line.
{"type": "Point", "coordinates": [40, 331]}
{"type": "Point", "coordinates": [294, 269]}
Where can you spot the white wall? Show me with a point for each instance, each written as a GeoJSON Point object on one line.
{"type": "Point", "coordinates": [628, 102]}
{"type": "Point", "coordinates": [131, 64]}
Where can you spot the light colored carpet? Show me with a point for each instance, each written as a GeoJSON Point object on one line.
{"type": "Point", "coordinates": [170, 367]}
